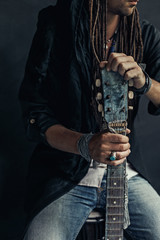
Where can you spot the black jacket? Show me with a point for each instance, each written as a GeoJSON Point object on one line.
{"type": "Point", "coordinates": [57, 89]}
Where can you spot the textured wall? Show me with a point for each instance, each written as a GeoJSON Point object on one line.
{"type": "Point", "coordinates": [17, 26]}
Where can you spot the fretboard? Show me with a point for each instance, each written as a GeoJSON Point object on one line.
{"type": "Point", "coordinates": [115, 202]}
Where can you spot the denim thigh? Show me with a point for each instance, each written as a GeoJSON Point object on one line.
{"type": "Point", "coordinates": [144, 210]}
{"type": "Point", "coordinates": [63, 218]}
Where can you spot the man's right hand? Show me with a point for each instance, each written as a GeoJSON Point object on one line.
{"type": "Point", "coordinates": [102, 145]}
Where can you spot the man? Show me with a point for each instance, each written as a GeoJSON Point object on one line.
{"type": "Point", "coordinates": [59, 111]}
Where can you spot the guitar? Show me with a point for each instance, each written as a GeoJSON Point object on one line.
{"type": "Point", "coordinates": [115, 99]}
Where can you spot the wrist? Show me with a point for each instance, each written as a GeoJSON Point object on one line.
{"type": "Point", "coordinates": [145, 88]}
{"type": "Point", "coordinates": [83, 146]}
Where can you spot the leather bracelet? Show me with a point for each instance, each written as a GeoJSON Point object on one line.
{"type": "Point", "coordinates": [82, 146]}
{"type": "Point", "coordinates": [147, 85]}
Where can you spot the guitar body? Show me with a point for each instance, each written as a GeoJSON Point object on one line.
{"type": "Point", "coordinates": [115, 96]}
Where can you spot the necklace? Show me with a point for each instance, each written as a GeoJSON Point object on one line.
{"type": "Point", "coordinates": [107, 42]}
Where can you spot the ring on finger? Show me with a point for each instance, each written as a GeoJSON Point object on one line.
{"type": "Point", "coordinates": [112, 156]}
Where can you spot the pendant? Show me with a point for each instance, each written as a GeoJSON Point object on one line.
{"type": "Point", "coordinates": [105, 46]}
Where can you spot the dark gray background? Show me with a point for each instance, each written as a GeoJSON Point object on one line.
{"type": "Point", "coordinates": [17, 26]}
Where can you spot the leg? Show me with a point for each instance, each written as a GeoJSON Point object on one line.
{"type": "Point", "coordinates": [144, 208]}
{"type": "Point", "coordinates": [63, 218]}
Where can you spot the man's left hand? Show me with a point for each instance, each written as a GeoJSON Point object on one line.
{"type": "Point", "coordinates": [127, 67]}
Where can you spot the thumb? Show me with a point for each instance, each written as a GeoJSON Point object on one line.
{"type": "Point", "coordinates": [103, 64]}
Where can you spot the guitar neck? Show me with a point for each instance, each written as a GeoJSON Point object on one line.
{"type": "Point", "coordinates": [115, 100]}
{"type": "Point", "coordinates": [115, 193]}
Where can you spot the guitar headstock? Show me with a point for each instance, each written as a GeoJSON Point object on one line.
{"type": "Point", "coordinates": [115, 98]}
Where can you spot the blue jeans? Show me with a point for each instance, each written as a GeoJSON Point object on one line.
{"type": "Point", "coordinates": [63, 218]}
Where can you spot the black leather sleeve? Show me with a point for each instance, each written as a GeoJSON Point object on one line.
{"type": "Point", "coordinates": [33, 94]}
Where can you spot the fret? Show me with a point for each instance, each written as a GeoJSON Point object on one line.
{"type": "Point", "coordinates": [113, 193]}
{"type": "Point", "coordinates": [117, 177]}
{"type": "Point", "coordinates": [116, 214]}
{"type": "Point", "coordinates": [114, 226]}
{"type": "Point", "coordinates": [115, 233]}
{"type": "Point", "coordinates": [115, 182]}
{"type": "Point", "coordinates": [115, 210]}
{"type": "Point", "coordinates": [116, 218]}
{"type": "Point", "coordinates": [110, 197]}
{"type": "Point", "coordinates": [115, 238]}
{"type": "Point", "coordinates": [119, 172]}
{"type": "Point", "coordinates": [115, 189]}
{"type": "Point", "coordinates": [115, 205]}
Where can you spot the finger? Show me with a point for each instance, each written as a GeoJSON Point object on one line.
{"type": "Point", "coordinates": [125, 61]}
{"type": "Point", "coordinates": [103, 64]}
{"type": "Point", "coordinates": [112, 57]}
{"type": "Point", "coordinates": [101, 156]}
{"type": "Point", "coordinates": [123, 67]}
{"type": "Point", "coordinates": [121, 155]}
{"type": "Point", "coordinates": [114, 138]}
{"type": "Point", "coordinates": [119, 147]}
{"type": "Point", "coordinates": [128, 131]}
{"type": "Point", "coordinates": [132, 73]}
{"type": "Point", "coordinates": [115, 163]}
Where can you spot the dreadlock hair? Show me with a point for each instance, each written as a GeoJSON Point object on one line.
{"type": "Point", "coordinates": [129, 34]}
{"type": "Point", "coordinates": [128, 40]}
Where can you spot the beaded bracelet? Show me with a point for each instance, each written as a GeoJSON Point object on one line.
{"type": "Point", "coordinates": [147, 85]}
{"type": "Point", "coordinates": [82, 146]}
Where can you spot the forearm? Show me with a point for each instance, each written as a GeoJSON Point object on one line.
{"type": "Point", "coordinates": [62, 138]}
{"type": "Point", "coordinates": [100, 146]}
{"type": "Point", "coordinates": [154, 93]}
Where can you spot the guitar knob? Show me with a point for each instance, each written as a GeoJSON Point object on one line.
{"type": "Point", "coordinates": [98, 82]}
{"type": "Point", "coordinates": [130, 107]}
{"type": "Point", "coordinates": [100, 107]}
{"type": "Point", "coordinates": [99, 96]}
{"type": "Point", "coordinates": [130, 94]}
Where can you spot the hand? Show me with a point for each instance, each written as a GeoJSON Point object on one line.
{"type": "Point", "coordinates": [102, 144]}
{"type": "Point", "coordinates": [127, 67]}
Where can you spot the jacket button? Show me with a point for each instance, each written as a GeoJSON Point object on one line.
{"type": "Point", "coordinates": [32, 121]}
